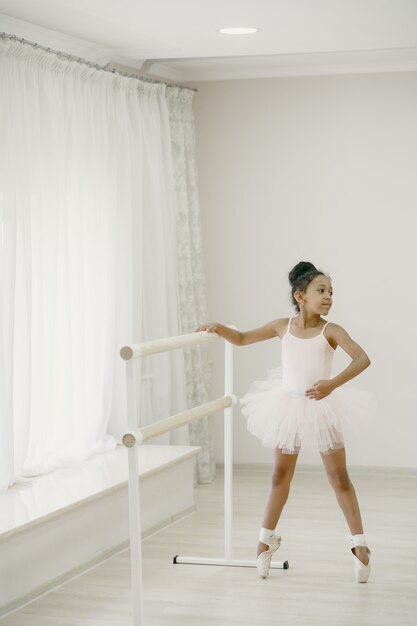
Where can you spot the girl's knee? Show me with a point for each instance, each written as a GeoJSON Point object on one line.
{"type": "Point", "coordinates": [339, 479]}
{"type": "Point", "coordinates": [281, 476]}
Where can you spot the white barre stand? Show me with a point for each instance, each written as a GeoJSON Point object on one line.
{"type": "Point", "coordinates": [136, 436]}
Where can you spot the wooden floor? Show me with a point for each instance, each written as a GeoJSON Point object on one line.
{"type": "Point", "coordinates": [318, 589]}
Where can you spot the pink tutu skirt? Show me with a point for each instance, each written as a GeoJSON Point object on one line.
{"type": "Point", "coordinates": [288, 420]}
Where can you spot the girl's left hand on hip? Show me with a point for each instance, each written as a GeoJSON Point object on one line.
{"type": "Point", "coordinates": [319, 390]}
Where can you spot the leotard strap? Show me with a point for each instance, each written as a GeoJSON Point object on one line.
{"type": "Point", "coordinates": [322, 330]}
{"type": "Point", "coordinates": [289, 324]}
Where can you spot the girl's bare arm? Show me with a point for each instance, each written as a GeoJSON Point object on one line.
{"type": "Point", "coordinates": [337, 336]}
{"type": "Point", "coordinates": [238, 338]}
{"type": "Point", "coordinates": [360, 360]}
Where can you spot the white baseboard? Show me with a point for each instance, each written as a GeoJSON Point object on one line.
{"type": "Point", "coordinates": [305, 467]}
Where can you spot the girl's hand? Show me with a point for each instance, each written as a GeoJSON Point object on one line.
{"type": "Point", "coordinates": [210, 327]}
{"type": "Point", "coordinates": [320, 390]}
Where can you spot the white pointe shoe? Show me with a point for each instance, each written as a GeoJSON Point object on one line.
{"type": "Point", "coordinates": [362, 571]}
{"type": "Point", "coordinates": [263, 562]}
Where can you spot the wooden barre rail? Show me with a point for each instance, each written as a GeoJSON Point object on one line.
{"type": "Point", "coordinates": [165, 345]}
{"type": "Point", "coordinates": [139, 435]}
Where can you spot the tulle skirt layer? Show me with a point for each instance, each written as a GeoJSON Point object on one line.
{"type": "Point", "coordinates": [286, 420]}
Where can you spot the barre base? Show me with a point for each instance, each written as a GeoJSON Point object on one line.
{"type": "Point", "coordinates": [191, 560]}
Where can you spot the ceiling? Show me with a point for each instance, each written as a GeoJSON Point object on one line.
{"type": "Point", "coordinates": [179, 39]}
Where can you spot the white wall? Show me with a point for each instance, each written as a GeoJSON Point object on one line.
{"type": "Point", "coordinates": [324, 169]}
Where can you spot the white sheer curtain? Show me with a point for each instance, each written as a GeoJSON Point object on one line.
{"type": "Point", "coordinates": [85, 170]}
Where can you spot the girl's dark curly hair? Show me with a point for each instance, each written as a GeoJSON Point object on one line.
{"type": "Point", "coordinates": [300, 277]}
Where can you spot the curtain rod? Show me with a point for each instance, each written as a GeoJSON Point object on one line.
{"type": "Point", "coordinates": [96, 66]}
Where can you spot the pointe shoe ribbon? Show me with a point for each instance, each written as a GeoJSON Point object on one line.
{"type": "Point", "coordinates": [362, 571]}
{"type": "Point", "coordinates": [263, 562]}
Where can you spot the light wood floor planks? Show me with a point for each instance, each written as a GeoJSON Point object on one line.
{"type": "Point", "coordinates": [318, 589]}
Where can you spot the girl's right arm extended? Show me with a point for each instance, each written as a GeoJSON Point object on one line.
{"type": "Point", "coordinates": [268, 331]}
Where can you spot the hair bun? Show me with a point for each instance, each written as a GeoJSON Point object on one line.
{"type": "Point", "coordinates": [303, 267]}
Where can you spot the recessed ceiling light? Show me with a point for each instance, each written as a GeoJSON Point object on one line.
{"type": "Point", "coordinates": [238, 30]}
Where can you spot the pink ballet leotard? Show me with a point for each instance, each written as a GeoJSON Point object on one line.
{"type": "Point", "coordinates": [280, 414]}
{"type": "Point", "coordinates": [305, 361]}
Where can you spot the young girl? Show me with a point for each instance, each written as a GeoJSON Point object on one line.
{"type": "Point", "coordinates": [303, 405]}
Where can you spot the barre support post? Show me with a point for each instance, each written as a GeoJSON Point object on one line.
{"type": "Point", "coordinates": [228, 452]}
{"type": "Point", "coordinates": [134, 502]}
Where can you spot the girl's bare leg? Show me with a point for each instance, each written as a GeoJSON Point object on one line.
{"type": "Point", "coordinates": [283, 471]}
{"type": "Point", "coordinates": [335, 466]}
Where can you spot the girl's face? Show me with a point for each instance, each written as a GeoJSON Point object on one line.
{"type": "Point", "coordinates": [318, 296]}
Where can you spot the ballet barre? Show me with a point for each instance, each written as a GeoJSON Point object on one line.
{"type": "Point", "coordinates": [134, 437]}
{"type": "Point", "coordinates": [139, 435]}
